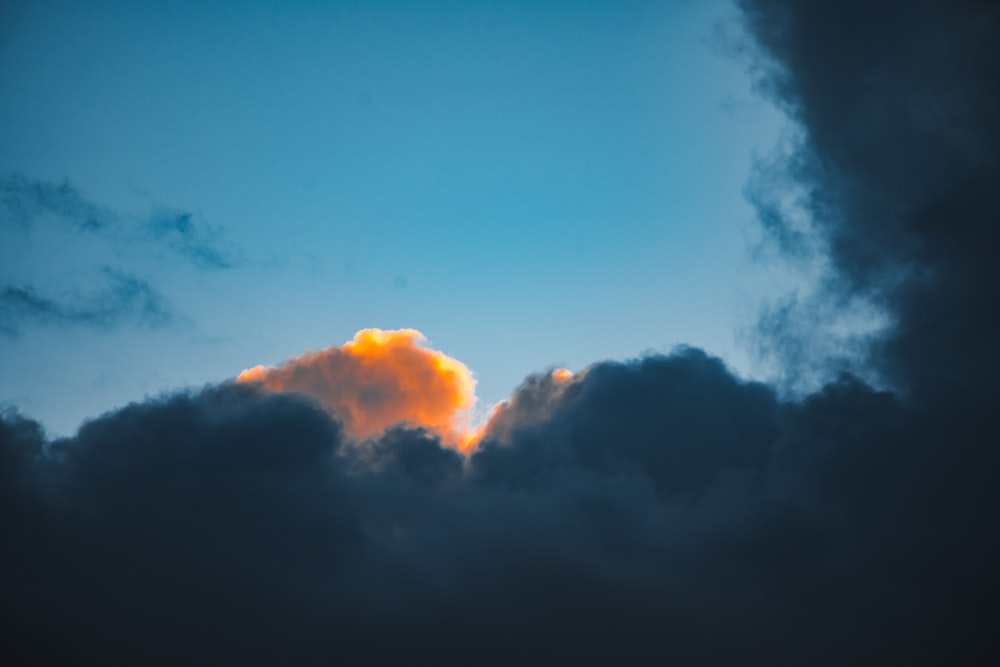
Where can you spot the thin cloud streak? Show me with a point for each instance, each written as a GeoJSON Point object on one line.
{"type": "Point", "coordinates": [117, 296]}
{"type": "Point", "coordinates": [123, 299]}
{"type": "Point", "coordinates": [25, 203]}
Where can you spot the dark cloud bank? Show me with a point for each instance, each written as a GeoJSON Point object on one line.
{"type": "Point", "coordinates": [657, 511]}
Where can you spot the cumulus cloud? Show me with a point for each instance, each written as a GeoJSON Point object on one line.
{"type": "Point", "coordinates": [660, 509]}
{"type": "Point", "coordinates": [379, 379]}
{"type": "Point", "coordinates": [234, 523]}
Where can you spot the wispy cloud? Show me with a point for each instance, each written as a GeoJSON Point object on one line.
{"type": "Point", "coordinates": [48, 218]}
{"type": "Point", "coordinates": [123, 299]}
{"type": "Point", "coordinates": [199, 243]}
{"type": "Point", "coordinates": [26, 203]}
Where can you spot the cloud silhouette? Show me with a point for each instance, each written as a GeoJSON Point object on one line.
{"type": "Point", "coordinates": [660, 509]}
{"type": "Point", "coordinates": [897, 104]}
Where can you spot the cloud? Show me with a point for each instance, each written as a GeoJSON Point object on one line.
{"type": "Point", "coordinates": [243, 511]}
{"type": "Point", "coordinates": [533, 401]}
{"type": "Point", "coordinates": [382, 379]}
{"type": "Point", "coordinates": [379, 379]}
{"type": "Point", "coordinates": [899, 140]}
{"type": "Point", "coordinates": [25, 203]}
{"type": "Point", "coordinates": [659, 510]}
{"type": "Point", "coordinates": [44, 219]}
{"type": "Point", "coordinates": [123, 299]}
{"type": "Point", "coordinates": [195, 241]}
{"type": "Point", "coordinates": [678, 421]}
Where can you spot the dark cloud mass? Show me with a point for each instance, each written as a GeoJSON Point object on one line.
{"type": "Point", "coordinates": [659, 511]}
{"type": "Point", "coordinates": [899, 164]}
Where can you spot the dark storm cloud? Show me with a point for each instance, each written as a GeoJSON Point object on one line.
{"type": "Point", "coordinates": [898, 105]}
{"type": "Point", "coordinates": [234, 525]}
{"type": "Point", "coordinates": [659, 511]}
{"type": "Point", "coordinates": [680, 421]}
{"type": "Point", "coordinates": [123, 299]}
{"type": "Point", "coordinates": [662, 510]}
{"type": "Point", "coordinates": [899, 160]}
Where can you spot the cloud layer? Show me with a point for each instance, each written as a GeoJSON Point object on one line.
{"type": "Point", "coordinates": [654, 511]}
{"type": "Point", "coordinates": [659, 509]}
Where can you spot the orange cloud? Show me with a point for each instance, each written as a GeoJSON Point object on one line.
{"type": "Point", "coordinates": [379, 379]}
{"type": "Point", "coordinates": [561, 375]}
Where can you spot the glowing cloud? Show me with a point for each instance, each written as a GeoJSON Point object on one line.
{"type": "Point", "coordinates": [561, 375]}
{"type": "Point", "coordinates": [379, 379]}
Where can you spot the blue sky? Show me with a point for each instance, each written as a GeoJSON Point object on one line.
{"type": "Point", "coordinates": [529, 184]}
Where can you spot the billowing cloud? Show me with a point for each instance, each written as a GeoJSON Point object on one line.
{"type": "Point", "coordinates": [659, 509]}
{"type": "Point", "coordinates": [379, 379]}
{"type": "Point", "coordinates": [241, 510]}
{"type": "Point", "coordinates": [895, 167]}
{"type": "Point", "coordinates": [537, 397]}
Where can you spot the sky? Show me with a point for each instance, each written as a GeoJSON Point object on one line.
{"type": "Point", "coordinates": [528, 184]}
{"type": "Point", "coordinates": [261, 263]}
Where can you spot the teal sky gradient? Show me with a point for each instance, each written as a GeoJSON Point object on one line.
{"type": "Point", "coordinates": [529, 184]}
